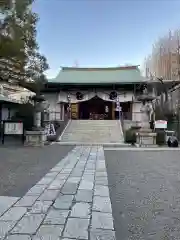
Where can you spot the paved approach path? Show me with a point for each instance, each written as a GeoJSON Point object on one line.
{"type": "Point", "coordinates": [70, 202]}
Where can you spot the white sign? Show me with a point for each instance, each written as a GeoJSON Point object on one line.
{"type": "Point", "coordinates": [13, 128]}
{"type": "Point", "coordinates": [50, 130]}
{"type": "Point", "coordinates": [118, 109]}
{"type": "Point", "coordinates": [106, 109]}
{"type": "Point", "coordinates": [161, 124]}
{"type": "Point", "coordinates": [117, 100]}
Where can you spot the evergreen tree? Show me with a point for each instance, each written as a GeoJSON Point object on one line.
{"type": "Point", "coordinates": [20, 60]}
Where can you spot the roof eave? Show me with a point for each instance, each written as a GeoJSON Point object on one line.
{"type": "Point", "coordinates": [94, 83]}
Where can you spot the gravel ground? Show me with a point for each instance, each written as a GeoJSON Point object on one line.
{"type": "Point", "coordinates": [22, 167]}
{"type": "Point", "coordinates": [145, 194]}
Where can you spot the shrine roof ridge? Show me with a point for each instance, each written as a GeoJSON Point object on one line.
{"type": "Point", "coordinates": [99, 68]}
{"type": "Point", "coordinates": [99, 75]}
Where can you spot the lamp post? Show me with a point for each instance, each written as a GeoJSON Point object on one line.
{"type": "Point", "coordinates": [69, 105]}
{"type": "Point", "coordinates": [178, 112]}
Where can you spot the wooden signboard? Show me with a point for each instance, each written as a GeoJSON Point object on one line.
{"type": "Point", "coordinates": [12, 128]}
{"type": "Point", "coordinates": [74, 110]}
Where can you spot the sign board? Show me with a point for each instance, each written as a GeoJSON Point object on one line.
{"type": "Point", "coordinates": [161, 124]}
{"type": "Point", "coordinates": [13, 128]}
{"type": "Point", "coordinates": [118, 107]}
{"type": "Point", "coordinates": [74, 107]}
{"type": "Point", "coordinates": [50, 130]}
{"type": "Point", "coordinates": [74, 111]}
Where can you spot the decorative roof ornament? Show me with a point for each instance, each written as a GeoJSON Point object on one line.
{"type": "Point", "coordinates": [76, 64]}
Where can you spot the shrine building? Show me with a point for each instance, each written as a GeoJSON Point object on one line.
{"type": "Point", "coordinates": [94, 93]}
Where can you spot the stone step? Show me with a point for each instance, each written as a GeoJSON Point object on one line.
{"type": "Point", "coordinates": [92, 139]}
{"type": "Point", "coordinates": [93, 131]}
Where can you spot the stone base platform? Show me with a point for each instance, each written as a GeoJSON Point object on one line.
{"type": "Point", "coordinates": [35, 138]}
{"type": "Point", "coordinates": [146, 138]}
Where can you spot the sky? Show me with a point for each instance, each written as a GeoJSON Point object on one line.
{"type": "Point", "coordinates": [102, 33]}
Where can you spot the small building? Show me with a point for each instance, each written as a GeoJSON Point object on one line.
{"type": "Point", "coordinates": [8, 107]}
{"type": "Point", "coordinates": [94, 93]}
{"type": "Point", "coordinates": [11, 97]}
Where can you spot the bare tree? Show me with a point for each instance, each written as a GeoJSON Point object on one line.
{"type": "Point", "coordinates": [163, 61]}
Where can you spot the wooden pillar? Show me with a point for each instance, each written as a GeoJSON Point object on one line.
{"type": "Point", "coordinates": [113, 110]}
{"type": "Point", "coordinates": [62, 111]}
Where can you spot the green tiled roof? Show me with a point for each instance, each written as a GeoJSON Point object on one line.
{"type": "Point", "coordinates": [72, 75]}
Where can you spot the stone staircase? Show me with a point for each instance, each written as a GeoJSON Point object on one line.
{"type": "Point", "coordinates": [93, 131]}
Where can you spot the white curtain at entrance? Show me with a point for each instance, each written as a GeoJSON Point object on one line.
{"type": "Point", "coordinates": [123, 97]}
{"type": "Point", "coordinates": [104, 96]}
{"type": "Point", "coordinates": [63, 96]}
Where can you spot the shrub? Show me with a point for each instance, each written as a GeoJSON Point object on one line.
{"type": "Point", "coordinates": [160, 139]}
{"type": "Point", "coordinates": [130, 136]}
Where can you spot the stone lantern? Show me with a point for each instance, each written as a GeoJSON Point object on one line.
{"type": "Point", "coordinates": [37, 137]}
{"type": "Point", "coordinates": [38, 108]}
{"type": "Point", "coordinates": [145, 136]}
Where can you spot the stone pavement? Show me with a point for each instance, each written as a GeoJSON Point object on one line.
{"type": "Point", "coordinates": [70, 202]}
